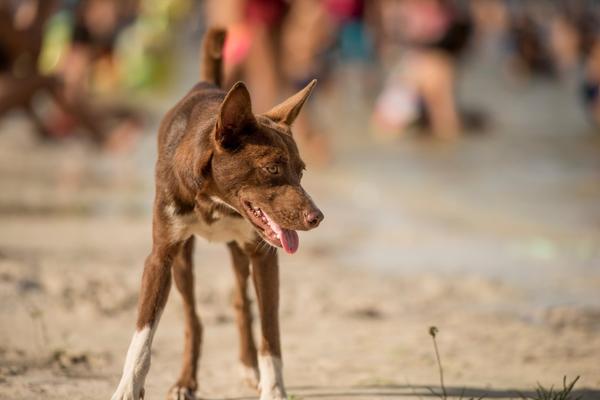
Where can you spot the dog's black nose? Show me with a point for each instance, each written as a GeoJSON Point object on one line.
{"type": "Point", "coordinates": [313, 218]}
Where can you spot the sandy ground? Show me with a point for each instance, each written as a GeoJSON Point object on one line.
{"type": "Point", "coordinates": [494, 239]}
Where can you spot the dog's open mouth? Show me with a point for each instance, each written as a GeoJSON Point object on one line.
{"type": "Point", "coordinates": [271, 230]}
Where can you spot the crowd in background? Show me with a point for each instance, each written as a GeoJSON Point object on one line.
{"type": "Point", "coordinates": [81, 56]}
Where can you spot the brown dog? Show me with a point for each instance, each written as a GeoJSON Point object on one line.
{"type": "Point", "coordinates": [229, 176]}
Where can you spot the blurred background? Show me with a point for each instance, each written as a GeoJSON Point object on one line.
{"type": "Point", "coordinates": [453, 145]}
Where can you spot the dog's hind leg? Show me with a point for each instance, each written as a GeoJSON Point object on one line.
{"type": "Point", "coordinates": [183, 275]}
{"type": "Point", "coordinates": [241, 303]}
{"type": "Point", "coordinates": [156, 282]}
{"type": "Point", "coordinates": [265, 274]}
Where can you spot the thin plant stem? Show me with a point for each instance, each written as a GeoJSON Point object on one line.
{"type": "Point", "coordinates": [432, 331]}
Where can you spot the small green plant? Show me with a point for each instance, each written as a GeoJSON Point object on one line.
{"type": "Point", "coordinates": [565, 393]}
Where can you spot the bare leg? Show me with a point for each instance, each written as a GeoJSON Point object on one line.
{"type": "Point", "coordinates": [265, 273]}
{"type": "Point", "coordinates": [156, 282]}
{"type": "Point", "coordinates": [183, 275]}
{"type": "Point", "coordinates": [436, 81]}
{"type": "Point", "coordinates": [241, 302]}
{"type": "Point", "coordinates": [260, 70]}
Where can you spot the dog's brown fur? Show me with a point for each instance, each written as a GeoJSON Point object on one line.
{"type": "Point", "coordinates": [217, 160]}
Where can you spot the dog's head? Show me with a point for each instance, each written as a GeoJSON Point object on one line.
{"type": "Point", "coordinates": [257, 169]}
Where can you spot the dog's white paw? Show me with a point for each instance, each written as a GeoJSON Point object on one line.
{"type": "Point", "coordinates": [249, 375]}
{"type": "Point", "coordinates": [274, 393]}
{"type": "Point", "coordinates": [128, 392]}
{"type": "Point", "coordinates": [181, 393]}
{"type": "Point", "coordinates": [137, 364]}
{"type": "Point", "coordinates": [271, 380]}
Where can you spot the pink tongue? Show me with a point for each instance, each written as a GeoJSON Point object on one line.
{"type": "Point", "coordinates": [289, 240]}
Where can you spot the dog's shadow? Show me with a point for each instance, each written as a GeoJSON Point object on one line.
{"type": "Point", "coordinates": [411, 392]}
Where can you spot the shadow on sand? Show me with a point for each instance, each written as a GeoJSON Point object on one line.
{"type": "Point", "coordinates": [413, 392]}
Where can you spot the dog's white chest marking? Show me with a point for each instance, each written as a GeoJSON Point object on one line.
{"type": "Point", "coordinates": [223, 228]}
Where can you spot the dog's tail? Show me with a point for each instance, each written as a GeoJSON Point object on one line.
{"type": "Point", "coordinates": [211, 61]}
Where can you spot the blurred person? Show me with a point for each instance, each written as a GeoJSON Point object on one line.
{"type": "Point", "coordinates": [489, 17]}
{"type": "Point", "coordinates": [97, 25]}
{"type": "Point", "coordinates": [273, 46]}
{"type": "Point", "coordinates": [530, 49]}
{"type": "Point", "coordinates": [585, 17]}
{"type": "Point", "coordinates": [312, 29]}
{"type": "Point", "coordinates": [591, 82]}
{"type": "Point", "coordinates": [316, 35]}
{"type": "Point", "coordinates": [421, 87]}
{"type": "Point", "coordinates": [22, 27]}
{"type": "Point", "coordinates": [564, 42]}
{"type": "Point", "coordinates": [21, 33]}
{"type": "Point", "coordinates": [251, 49]}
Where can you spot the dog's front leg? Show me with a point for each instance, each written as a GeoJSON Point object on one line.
{"type": "Point", "coordinates": [183, 276]}
{"type": "Point", "coordinates": [248, 353]}
{"type": "Point", "coordinates": [265, 274]}
{"type": "Point", "coordinates": [156, 282]}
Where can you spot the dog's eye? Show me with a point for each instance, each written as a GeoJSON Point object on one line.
{"type": "Point", "coordinates": [272, 169]}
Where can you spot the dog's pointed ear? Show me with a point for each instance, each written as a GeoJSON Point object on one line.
{"type": "Point", "coordinates": [235, 116]}
{"type": "Point", "coordinates": [286, 112]}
